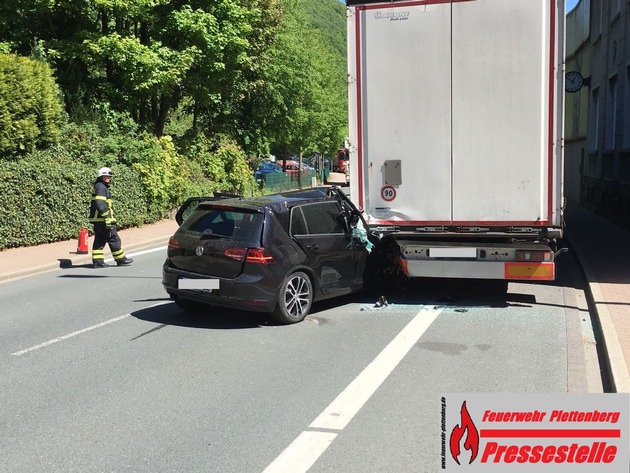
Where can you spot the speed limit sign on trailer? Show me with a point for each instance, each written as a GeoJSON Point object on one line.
{"type": "Point", "coordinates": [388, 193]}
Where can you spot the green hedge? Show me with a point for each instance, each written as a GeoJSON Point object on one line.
{"type": "Point", "coordinates": [46, 198]}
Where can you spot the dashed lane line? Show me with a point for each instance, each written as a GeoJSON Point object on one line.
{"type": "Point", "coordinates": [78, 332]}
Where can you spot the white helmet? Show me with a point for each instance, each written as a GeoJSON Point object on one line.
{"type": "Point", "coordinates": [104, 172]}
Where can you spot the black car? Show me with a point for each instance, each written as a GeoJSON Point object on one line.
{"type": "Point", "coordinates": [276, 253]}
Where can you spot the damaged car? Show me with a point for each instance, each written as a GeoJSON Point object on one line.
{"type": "Point", "coordinates": [277, 253]}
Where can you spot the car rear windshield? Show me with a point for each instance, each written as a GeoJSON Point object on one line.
{"type": "Point", "coordinates": [238, 225]}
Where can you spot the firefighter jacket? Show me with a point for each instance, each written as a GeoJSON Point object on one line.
{"type": "Point", "coordinates": [101, 210]}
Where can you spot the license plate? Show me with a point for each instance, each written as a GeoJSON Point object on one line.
{"type": "Point", "coordinates": [452, 252]}
{"type": "Point", "coordinates": [198, 284]}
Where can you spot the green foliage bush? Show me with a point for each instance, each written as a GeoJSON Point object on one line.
{"type": "Point", "coordinates": [31, 112]}
{"type": "Point", "coordinates": [45, 196]}
{"type": "Point", "coordinates": [164, 174]}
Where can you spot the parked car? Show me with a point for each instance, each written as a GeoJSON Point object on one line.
{"type": "Point", "coordinates": [266, 168]}
{"type": "Point", "coordinates": [276, 253]}
{"type": "Point", "coordinates": [292, 166]}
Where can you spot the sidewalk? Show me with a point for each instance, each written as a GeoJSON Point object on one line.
{"type": "Point", "coordinates": [603, 250]}
{"type": "Point", "coordinates": [20, 262]}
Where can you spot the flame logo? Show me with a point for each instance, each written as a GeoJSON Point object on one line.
{"type": "Point", "coordinates": [472, 436]}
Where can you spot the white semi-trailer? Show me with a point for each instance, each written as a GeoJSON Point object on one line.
{"type": "Point", "coordinates": [456, 117]}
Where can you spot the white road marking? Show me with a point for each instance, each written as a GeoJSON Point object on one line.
{"type": "Point", "coordinates": [302, 453]}
{"type": "Point", "coordinates": [144, 252]}
{"type": "Point", "coordinates": [78, 332]}
{"type": "Point", "coordinates": [152, 250]}
{"type": "Point", "coordinates": [310, 445]}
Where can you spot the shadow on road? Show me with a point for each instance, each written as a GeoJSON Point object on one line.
{"type": "Point", "coordinates": [216, 318]}
{"type": "Point", "coordinates": [458, 294]}
{"type": "Point", "coordinates": [445, 292]}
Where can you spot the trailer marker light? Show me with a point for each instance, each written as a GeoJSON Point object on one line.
{"type": "Point", "coordinates": [533, 255]}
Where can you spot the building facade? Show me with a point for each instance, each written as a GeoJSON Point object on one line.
{"type": "Point", "coordinates": [597, 118]}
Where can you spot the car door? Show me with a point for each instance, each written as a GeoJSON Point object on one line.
{"type": "Point", "coordinates": [318, 229]}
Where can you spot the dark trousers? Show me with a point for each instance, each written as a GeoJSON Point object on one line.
{"type": "Point", "coordinates": [104, 236]}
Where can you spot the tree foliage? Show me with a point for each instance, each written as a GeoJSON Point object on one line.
{"type": "Point", "coordinates": [177, 95]}
{"type": "Point", "coordinates": [31, 112]}
{"type": "Point", "coordinates": [221, 62]}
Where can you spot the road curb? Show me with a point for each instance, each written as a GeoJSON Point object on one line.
{"type": "Point", "coordinates": [78, 260]}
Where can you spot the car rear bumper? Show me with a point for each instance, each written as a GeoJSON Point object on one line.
{"type": "Point", "coordinates": [245, 292]}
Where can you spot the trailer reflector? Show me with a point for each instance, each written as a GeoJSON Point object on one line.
{"type": "Point", "coordinates": [535, 271]}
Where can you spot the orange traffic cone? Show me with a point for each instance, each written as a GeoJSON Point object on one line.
{"type": "Point", "coordinates": [82, 247]}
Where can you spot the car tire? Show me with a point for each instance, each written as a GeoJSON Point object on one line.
{"type": "Point", "coordinates": [191, 306]}
{"type": "Point", "coordinates": [295, 299]}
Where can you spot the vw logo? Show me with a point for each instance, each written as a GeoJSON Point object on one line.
{"type": "Point", "coordinates": [199, 250]}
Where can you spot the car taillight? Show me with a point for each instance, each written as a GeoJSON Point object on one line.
{"type": "Point", "coordinates": [237, 254]}
{"type": "Point", "coordinates": [249, 255]}
{"type": "Point", "coordinates": [258, 256]}
{"type": "Point", "coordinates": [533, 255]}
{"type": "Point", "coordinates": [173, 243]}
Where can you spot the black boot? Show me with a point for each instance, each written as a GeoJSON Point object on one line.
{"type": "Point", "coordinates": [99, 264]}
{"type": "Point", "coordinates": [124, 261]}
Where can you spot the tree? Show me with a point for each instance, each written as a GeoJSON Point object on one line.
{"type": "Point", "coordinates": [31, 112]}
{"type": "Point", "coordinates": [304, 100]}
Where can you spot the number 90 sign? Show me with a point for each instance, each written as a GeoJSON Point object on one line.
{"type": "Point", "coordinates": [388, 193]}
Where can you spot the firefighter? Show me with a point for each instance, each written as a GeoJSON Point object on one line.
{"type": "Point", "coordinates": [102, 217]}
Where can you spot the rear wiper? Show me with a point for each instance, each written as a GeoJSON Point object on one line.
{"type": "Point", "coordinates": [208, 234]}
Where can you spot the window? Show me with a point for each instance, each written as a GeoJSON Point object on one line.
{"type": "Point", "coordinates": [593, 121]}
{"type": "Point", "coordinates": [625, 168]}
{"type": "Point", "coordinates": [615, 9]}
{"type": "Point", "coordinates": [626, 111]}
{"type": "Point", "coordinates": [243, 227]}
{"type": "Point", "coordinates": [608, 162]}
{"type": "Point", "coordinates": [298, 224]}
{"type": "Point", "coordinates": [591, 169]}
{"type": "Point", "coordinates": [611, 114]}
{"type": "Point", "coordinates": [317, 219]}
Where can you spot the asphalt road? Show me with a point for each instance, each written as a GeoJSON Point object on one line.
{"type": "Point", "coordinates": [99, 371]}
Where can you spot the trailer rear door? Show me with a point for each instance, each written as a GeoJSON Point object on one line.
{"type": "Point", "coordinates": [453, 112]}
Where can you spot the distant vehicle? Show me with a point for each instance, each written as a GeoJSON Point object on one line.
{"type": "Point", "coordinates": [264, 169]}
{"type": "Point", "coordinates": [292, 166]}
{"type": "Point", "coordinates": [276, 253]}
{"type": "Point", "coordinates": [340, 161]}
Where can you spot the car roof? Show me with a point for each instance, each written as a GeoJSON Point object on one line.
{"type": "Point", "coordinates": [278, 203]}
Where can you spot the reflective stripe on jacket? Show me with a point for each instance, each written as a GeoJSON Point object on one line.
{"type": "Point", "coordinates": [101, 205]}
